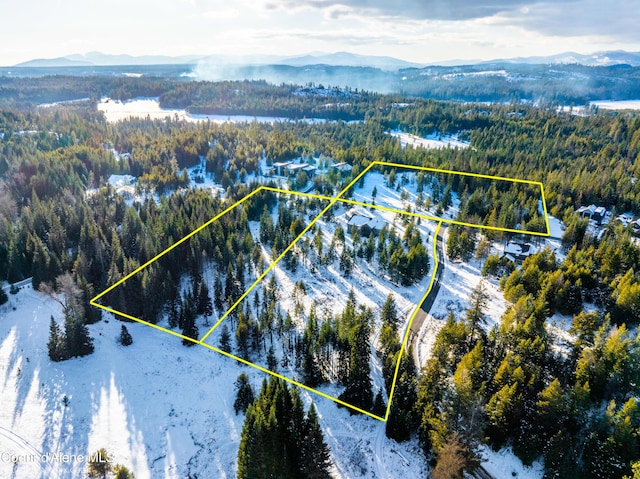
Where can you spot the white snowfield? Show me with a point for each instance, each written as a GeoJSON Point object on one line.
{"type": "Point", "coordinates": [617, 105]}
{"type": "Point", "coordinates": [116, 110]}
{"type": "Point", "coordinates": [433, 141]}
{"type": "Point", "coordinates": [160, 408]}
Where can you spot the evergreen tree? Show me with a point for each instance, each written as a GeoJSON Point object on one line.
{"type": "Point", "coordinates": [402, 420]}
{"type": "Point", "coordinates": [272, 361]}
{"type": "Point", "coordinates": [244, 394]}
{"type": "Point", "coordinates": [56, 344]}
{"type": "Point", "coordinates": [267, 230]}
{"type": "Point", "coordinates": [121, 472]}
{"type": "Point", "coordinates": [231, 288]}
{"type": "Point", "coordinates": [77, 339]}
{"type": "Point", "coordinates": [205, 306]}
{"type": "Point", "coordinates": [389, 313]}
{"type": "Point", "coordinates": [379, 408]}
{"type": "Point", "coordinates": [189, 327]}
{"type": "Point", "coordinates": [317, 242]}
{"type": "Point", "coordinates": [277, 440]}
{"type": "Point", "coordinates": [125, 338]}
{"type": "Point", "coordinates": [311, 375]}
{"type": "Point", "coordinates": [99, 464]}
{"type": "Point", "coordinates": [218, 296]}
{"type": "Point", "coordinates": [346, 262]}
{"type": "Point", "coordinates": [475, 317]}
{"type": "Point", "coordinates": [315, 455]}
{"type": "Point", "coordinates": [225, 339]}
{"type": "Point", "coordinates": [370, 248]}
{"type": "Point", "coordinates": [359, 385]}
{"type": "Point", "coordinates": [253, 457]}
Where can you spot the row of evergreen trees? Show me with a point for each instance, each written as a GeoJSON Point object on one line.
{"type": "Point", "coordinates": [278, 439]}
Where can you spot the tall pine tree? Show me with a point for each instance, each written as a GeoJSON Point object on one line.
{"type": "Point", "coordinates": [316, 458]}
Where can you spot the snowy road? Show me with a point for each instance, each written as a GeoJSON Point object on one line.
{"type": "Point", "coordinates": [425, 307]}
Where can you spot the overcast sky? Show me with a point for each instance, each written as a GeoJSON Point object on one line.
{"type": "Point", "coordinates": [423, 31]}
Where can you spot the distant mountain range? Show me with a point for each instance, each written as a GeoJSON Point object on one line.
{"type": "Point", "coordinates": [565, 78]}
{"type": "Point", "coordinates": [608, 58]}
{"type": "Point", "coordinates": [331, 59]}
{"type": "Point", "coordinates": [105, 59]}
{"type": "Point", "coordinates": [346, 59]}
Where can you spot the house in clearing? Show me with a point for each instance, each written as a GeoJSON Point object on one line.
{"type": "Point", "coordinates": [363, 223]}
{"type": "Point", "coordinates": [594, 213]}
{"type": "Point", "coordinates": [291, 168]}
{"type": "Point", "coordinates": [294, 168]}
{"type": "Point", "coordinates": [517, 252]}
{"type": "Point", "coordinates": [279, 167]}
{"type": "Point", "coordinates": [627, 220]}
{"type": "Point", "coordinates": [343, 167]}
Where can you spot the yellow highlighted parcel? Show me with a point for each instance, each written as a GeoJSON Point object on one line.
{"type": "Point", "coordinates": [332, 200]}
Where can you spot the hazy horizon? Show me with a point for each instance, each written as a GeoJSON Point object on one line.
{"type": "Point", "coordinates": [420, 31]}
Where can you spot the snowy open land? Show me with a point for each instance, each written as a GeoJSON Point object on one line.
{"type": "Point", "coordinates": [617, 104]}
{"type": "Point", "coordinates": [116, 110]}
{"type": "Point", "coordinates": [403, 196]}
{"type": "Point", "coordinates": [160, 408]}
{"type": "Point", "coordinates": [431, 141]}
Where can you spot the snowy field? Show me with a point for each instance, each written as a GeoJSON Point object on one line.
{"type": "Point", "coordinates": [504, 464]}
{"type": "Point", "coordinates": [431, 141]}
{"type": "Point", "coordinates": [617, 105]}
{"type": "Point", "coordinates": [584, 110]}
{"type": "Point", "coordinates": [406, 185]}
{"type": "Point", "coordinates": [116, 110]}
{"type": "Point", "coordinates": [64, 102]}
{"type": "Point", "coordinates": [160, 408]}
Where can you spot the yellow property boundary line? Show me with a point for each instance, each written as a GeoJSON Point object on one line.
{"type": "Point", "coordinates": [332, 200]}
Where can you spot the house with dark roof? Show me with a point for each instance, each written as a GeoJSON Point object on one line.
{"type": "Point", "coordinates": [517, 252]}
{"type": "Point", "coordinates": [593, 212]}
{"type": "Point", "coordinates": [365, 224]}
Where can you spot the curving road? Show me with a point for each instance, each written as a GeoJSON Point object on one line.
{"type": "Point", "coordinates": [414, 333]}
{"type": "Point", "coordinates": [425, 307]}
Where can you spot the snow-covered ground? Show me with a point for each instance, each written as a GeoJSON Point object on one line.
{"type": "Point", "coordinates": [116, 110]}
{"type": "Point", "coordinates": [504, 464]}
{"type": "Point", "coordinates": [63, 102]}
{"type": "Point", "coordinates": [458, 280]}
{"type": "Point", "coordinates": [617, 105]}
{"type": "Point", "coordinates": [160, 408]}
{"type": "Point", "coordinates": [434, 140]}
{"type": "Point", "coordinates": [556, 227]}
{"type": "Point", "coordinates": [329, 289]}
{"type": "Point", "coordinates": [392, 197]}
{"type": "Point", "coordinates": [125, 185]}
{"type": "Point", "coordinates": [584, 110]}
